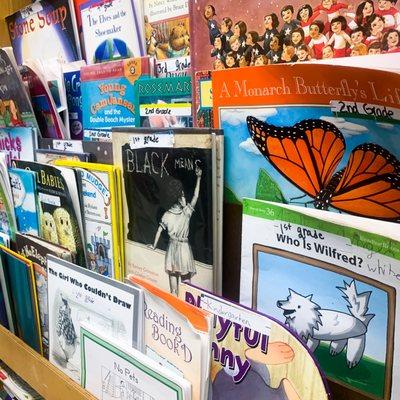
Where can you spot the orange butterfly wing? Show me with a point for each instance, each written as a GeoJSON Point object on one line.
{"type": "Point", "coordinates": [306, 154]}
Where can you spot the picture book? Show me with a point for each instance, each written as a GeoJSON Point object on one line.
{"type": "Point", "coordinates": [332, 283]}
{"type": "Point", "coordinates": [31, 27]}
{"type": "Point", "coordinates": [49, 156]}
{"type": "Point", "coordinates": [177, 336]}
{"type": "Point", "coordinates": [15, 105]}
{"type": "Point", "coordinates": [108, 92]}
{"type": "Point", "coordinates": [100, 199]}
{"type": "Point", "coordinates": [19, 274]}
{"type": "Point", "coordinates": [105, 30]}
{"type": "Point", "coordinates": [23, 187]}
{"type": "Point", "coordinates": [164, 102]}
{"type": "Point", "coordinates": [168, 205]}
{"type": "Point", "coordinates": [202, 100]}
{"type": "Point", "coordinates": [60, 211]}
{"type": "Point", "coordinates": [8, 224]}
{"type": "Point", "coordinates": [254, 356]}
{"type": "Point", "coordinates": [19, 143]}
{"type": "Point", "coordinates": [6, 302]}
{"type": "Point", "coordinates": [36, 250]}
{"type": "Point", "coordinates": [77, 295]}
{"type": "Point", "coordinates": [166, 27]}
{"type": "Point", "coordinates": [110, 370]}
{"type": "Point", "coordinates": [229, 34]}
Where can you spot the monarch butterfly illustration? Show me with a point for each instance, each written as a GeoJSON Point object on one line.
{"type": "Point", "coordinates": [308, 153]}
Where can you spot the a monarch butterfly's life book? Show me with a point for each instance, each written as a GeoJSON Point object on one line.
{"type": "Point", "coordinates": [110, 369]}
{"type": "Point", "coordinates": [60, 210]}
{"type": "Point", "coordinates": [164, 102]}
{"type": "Point", "coordinates": [170, 205]}
{"type": "Point", "coordinates": [167, 34]}
{"type": "Point", "coordinates": [78, 295]}
{"type": "Point", "coordinates": [45, 29]}
{"type": "Point", "coordinates": [321, 136]}
{"type": "Point", "coordinates": [177, 335]}
{"type": "Point", "coordinates": [254, 356]}
{"type": "Point", "coordinates": [112, 30]}
{"type": "Point", "coordinates": [36, 250]}
{"type": "Point", "coordinates": [332, 279]}
{"type": "Point", "coordinates": [108, 94]}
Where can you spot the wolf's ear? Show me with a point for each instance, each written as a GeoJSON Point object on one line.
{"type": "Point", "coordinates": [309, 297]}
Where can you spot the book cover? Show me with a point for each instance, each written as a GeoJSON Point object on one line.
{"type": "Point", "coordinates": [202, 101]}
{"type": "Point", "coordinates": [166, 27]}
{"type": "Point", "coordinates": [8, 224]}
{"type": "Point", "coordinates": [15, 105]}
{"type": "Point", "coordinates": [254, 356]}
{"type": "Point", "coordinates": [49, 156]}
{"type": "Point", "coordinates": [78, 295]}
{"type": "Point", "coordinates": [7, 307]}
{"type": "Point", "coordinates": [23, 187]}
{"type": "Point", "coordinates": [31, 28]}
{"type": "Point", "coordinates": [60, 213]}
{"type": "Point", "coordinates": [333, 283]}
{"type": "Point", "coordinates": [164, 102]}
{"type": "Point", "coordinates": [168, 205]}
{"type": "Point", "coordinates": [110, 370]}
{"type": "Point", "coordinates": [108, 92]}
{"type": "Point", "coordinates": [36, 250]}
{"type": "Point", "coordinates": [177, 336]}
{"type": "Point", "coordinates": [105, 33]}
{"type": "Point", "coordinates": [19, 143]}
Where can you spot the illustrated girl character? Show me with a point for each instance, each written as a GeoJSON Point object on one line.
{"type": "Point", "coordinates": [340, 39]}
{"type": "Point", "coordinates": [297, 38]}
{"type": "Point", "coordinates": [357, 36]}
{"type": "Point", "coordinates": [375, 26]}
{"type": "Point", "coordinates": [213, 26]}
{"type": "Point", "coordinates": [375, 48]}
{"type": "Point", "coordinates": [303, 53]}
{"type": "Point", "coordinates": [240, 30]}
{"type": "Point", "coordinates": [226, 31]}
{"type": "Point", "coordinates": [332, 10]}
{"type": "Point", "coordinates": [271, 23]}
{"type": "Point", "coordinates": [389, 13]}
{"type": "Point", "coordinates": [359, 49]}
{"type": "Point", "coordinates": [391, 41]}
{"type": "Point", "coordinates": [275, 53]}
{"type": "Point", "coordinates": [179, 261]}
{"type": "Point", "coordinates": [253, 48]}
{"type": "Point", "coordinates": [363, 11]}
{"type": "Point", "coordinates": [15, 116]}
{"type": "Point", "coordinates": [261, 60]}
{"type": "Point", "coordinates": [219, 47]}
{"type": "Point", "coordinates": [327, 52]}
{"type": "Point", "coordinates": [65, 330]}
{"type": "Point", "coordinates": [305, 16]}
{"type": "Point", "coordinates": [290, 23]}
{"type": "Point", "coordinates": [231, 60]}
{"type": "Point", "coordinates": [318, 40]}
{"type": "Point", "coordinates": [289, 54]}
{"type": "Point", "coordinates": [236, 48]}
{"type": "Point", "coordinates": [218, 65]}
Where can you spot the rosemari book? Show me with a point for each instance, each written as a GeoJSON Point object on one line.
{"type": "Point", "coordinates": [77, 295]}
{"type": "Point", "coordinates": [170, 205]}
{"type": "Point", "coordinates": [110, 370]}
{"type": "Point", "coordinates": [105, 33]}
{"type": "Point", "coordinates": [31, 28]}
{"type": "Point", "coordinates": [254, 356]}
{"type": "Point", "coordinates": [331, 279]}
{"type": "Point", "coordinates": [177, 336]}
{"type": "Point", "coordinates": [108, 92]}
{"type": "Point", "coordinates": [164, 102]}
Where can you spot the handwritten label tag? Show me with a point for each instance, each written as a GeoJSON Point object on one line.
{"type": "Point", "coordinates": [140, 141]}
{"type": "Point", "coordinates": [72, 146]}
{"type": "Point", "coordinates": [31, 10]}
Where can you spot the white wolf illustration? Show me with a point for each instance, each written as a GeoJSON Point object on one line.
{"type": "Point", "coordinates": [314, 324]}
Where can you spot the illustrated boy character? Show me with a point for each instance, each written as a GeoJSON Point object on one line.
{"type": "Point", "coordinates": [275, 53]}
{"type": "Point", "coordinates": [375, 48]}
{"type": "Point", "coordinates": [261, 60]}
{"type": "Point", "coordinates": [290, 23]}
{"type": "Point", "coordinates": [327, 52]}
{"type": "Point", "coordinates": [359, 49]}
{"type": "Point", "coordinates": [389, 13]}
{"type": "Point", "coordinates": [332, 10]}
{"type": "Point", "coordinates": [226, 31]}
{"type": "Point", "coordinates": [179, 261]}
{"type": "Point", "coordinates": [213, 26]}
{"type": "Point", "coordinates": [231, 60]}
{"type": "Point", "coordinates": [303, 53]}
{"type": "Point", "coordinates": [253, 49]}
{"type": "Point", "coordinates": [289, 54]}
{"type": "Point", "coordinates": [339, 39]}
{"type": "Point", "coordinates": [318, 40]}
{"type": "Point", "coordinates": [271, 23]}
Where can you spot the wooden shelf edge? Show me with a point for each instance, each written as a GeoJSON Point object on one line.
{"type": "Point", "coordinates": [44, 377]}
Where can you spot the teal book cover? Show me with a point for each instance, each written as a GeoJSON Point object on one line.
{"type": "Point", "coordinates": [23, 186]}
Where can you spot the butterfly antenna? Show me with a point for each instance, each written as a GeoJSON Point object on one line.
{"type": "Point", "coordinates": [297, 198]}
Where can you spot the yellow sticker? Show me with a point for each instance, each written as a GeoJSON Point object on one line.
{"type": "Point", "coordinates": [206, 100]}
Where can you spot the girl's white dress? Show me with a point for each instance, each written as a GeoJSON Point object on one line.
{"type": "Point", "coordinates": [179, 256]}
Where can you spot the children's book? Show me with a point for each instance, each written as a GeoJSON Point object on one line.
{"type": "Point", "coordinates": [105, 30]}
{"type": "Point", "coordinates": [333, 280]}
{"type": "Point", "coordinates": [8, 224]}
{"type": "Point", "coordinates": [60, 210]}
{"type": "Point", "coordinates": [7, 306]}
{"type": "Point", "coordinates": [20, 143]}
{"type": "Point", "coordinates": [164, 102]}
{"type": "Point", "coordinates": [36, 250]}
{"type": "Point", "coordinates": [15, 105]}
{"type": "Point", "coordinates": [166, 27]}
{"type": "Point", "coordinates": [177, 336]}
{"type": "Point", "coordinates": [108, 92]}
{"type": "Point", "coordinates": [77, 295]}
{"type": "Point", "coordinates": [50, 156]}
{"type": "Point", "coordinates": [102, 216]}
{"type": "Point", "coordinates": [111, 370]}
{"type": "Point", "coordinates": [169, 205]}
{"type": "Point", "coordinates": [26, 208]}
{"type": "Point", "coordinates": [254, 356]}
{"type": "Point", "coordinates": [202, 100]}
{"type": "Point", "coordinates": [45, 29]}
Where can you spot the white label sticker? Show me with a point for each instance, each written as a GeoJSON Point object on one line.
{"type": "Point", "coordinates": [151, 140]}
{"type": "Point", "coordinates": [156, 10]}
{"type": "Point", "coordinates": [166, 109]}
{"type": "Point", "coordinates": [49, 199]}
{"type": "Point", "coordinates": [72, 146]}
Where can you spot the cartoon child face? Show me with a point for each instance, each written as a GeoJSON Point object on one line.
{"type": "Point", "coordinates": [327, 52]}
{"type": "Point", "coordinates": [218, 64]}
{"type": "Point", "coordinates": [357, 37]}
{"type": "Point", "coordinates": [377, 26]}
{"type": "Point", "coordinates": [354, 53]}
{"type": "Point", "coordinates": [336, 27]}
{"type": "Point", "coordinates": [287, 16]}
{"type": "Point", "coordinates": [218, 43]}
{"type": "Point", "coordinates": [224, 27]}
{"type": "Point", "coordinates": [384, 4]}
{"type": "Point", "coordinates": [268, 22]}
{"type": "Point", "coordinates": [368, 9]}
{"type": "Point", "coordinates": [314, 31]}
{"type": "Point", "coordinates": [374, 51]}
{"type": "Point", "coordinates": [296, 38]}
{"type": "Point", "coordinates": [230, 61]}
{"type": "Point", "coordinates": [302, 55]}
{"type": "Point", "coordinates": [393, 40]}
{"type": "Point", "coordinates": [235, 45]}
{"type": "Point", "coordinates": [249, 40]}
{"type": "Point", "coordinates": [274, 43]}
{"type": "Point", "coordinates": [243, 62]}
{"type": "Point", "coordinates": [208, 12]}
{"type": "Point", "coordinates": [304, 14]}
{"type": "Point", "coordinates": [327, 3]}
{"type": "Point", "coordinates": [288, 53]}
{"type": "Point", "coordinates": [260, 61]}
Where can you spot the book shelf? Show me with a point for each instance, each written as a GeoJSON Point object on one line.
{"type": "Point", "coordinates": [45, 378]}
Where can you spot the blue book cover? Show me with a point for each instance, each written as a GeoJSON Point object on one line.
{"type": "Point", "coordinates": [23, 186]}
{"type": "Point", "coordinates": [72, 81]}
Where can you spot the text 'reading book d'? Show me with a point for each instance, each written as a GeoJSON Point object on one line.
{"type": "Point", "coordinates": [36, 250]}
{"type": "Point", "coordinates": [166, 27]}
{"type": "Point", "coordinates": [108, 93]}
{"type": "Point", "coordinates": [333, 280]}
{"type": "Point", "coordinates": [254, 356]}
{"type": "Point", "coordinates": [112, 30]}
{"type": "Point", "coordinates": [164, 102]}
{"type": "Point", "coordinates": [45, 28]}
